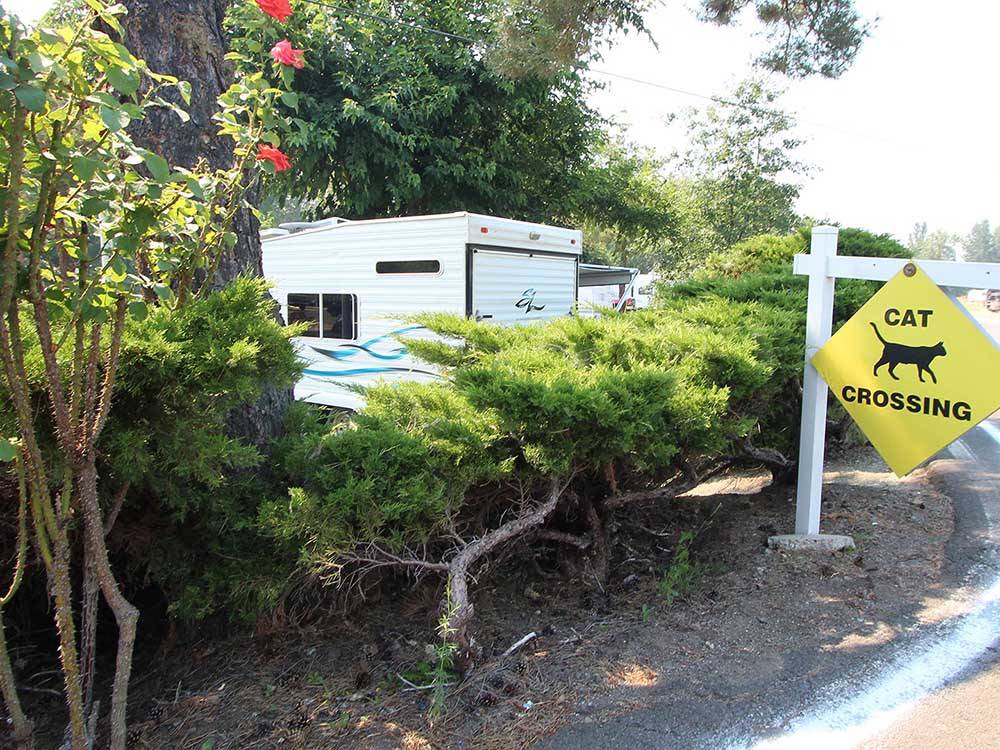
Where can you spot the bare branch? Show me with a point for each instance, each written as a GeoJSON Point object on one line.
{"type": "Point", "coordinates": [573, 540]}
{"type": "Point", "coordinates": [375, 557]}
{"type": "Point", "coordinates": [680, 483]}
{"type": "Point", "coordinates": [526, 639]}
{"type": "Point", "coordinates": [22, 530]}
{"type": "Point", "coordinates": [768, 456]}
{"type": "Point", "coordinates": [116, 507]}
{"type": "Point", "coordinates": [90, 385]}
{"type": "Point", "coordinates": [110, 370]}
{"type": "Point", "coordinates": [459, 568]}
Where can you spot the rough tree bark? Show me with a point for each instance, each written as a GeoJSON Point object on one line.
{"type": "Point", "coordinates": [185, 38]}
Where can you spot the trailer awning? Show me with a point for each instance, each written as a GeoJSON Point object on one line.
{"type": "Point", "coordinates": [594, 275]}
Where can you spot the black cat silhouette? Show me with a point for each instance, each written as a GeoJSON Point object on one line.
{"type": "Point", "coordinates": [894, 354]}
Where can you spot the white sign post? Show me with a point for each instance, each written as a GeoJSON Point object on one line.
{"type": "Point", "coordinates": [812, 438]}
{"type": "Point", "coordinates": [823, 266]}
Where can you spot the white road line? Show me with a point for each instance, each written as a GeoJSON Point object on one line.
{"type": "Point", "coordinates": [991, 429]}
{"type": "Point", "coordinates": [958, 450]}
{"type": "Point", "coordinates": [907, 680]}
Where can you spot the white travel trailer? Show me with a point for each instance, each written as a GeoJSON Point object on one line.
{"type": "Point", "coordinates": [355, 283]}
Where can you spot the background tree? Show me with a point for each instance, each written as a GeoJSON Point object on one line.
{"type": "Point", "coordinates": [393, 120]}
{"type": "Point", "coordinates": [542, 37]}
{"type": "Point", "coordinates": [628, 208]}
{"type": "Point", "coordinates": [819, 36]}
{"type": "Point", "coordinates": [806, 38]}
{"type": "Point", "coordinates": [936, 245]}
{"type": "Point", "coordinates": [980, 244]}
{"type": "Point", "coordinates": [742, 156]}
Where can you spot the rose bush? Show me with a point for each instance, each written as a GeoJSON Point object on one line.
{"type": "Point", "coordinates": [95, 232]}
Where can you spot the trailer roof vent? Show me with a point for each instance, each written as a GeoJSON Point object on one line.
{"type": "Point", "coordinates": [301, 226]}
{"type": "Point", "coordinates": [268, 234]}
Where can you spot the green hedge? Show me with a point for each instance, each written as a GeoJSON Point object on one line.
{"type": "Point", "coordinates": [758, 271]}
{"type": "Point", "coordinates": [645, 394]}
{"type": "Point", "coordinates": [189, 521]}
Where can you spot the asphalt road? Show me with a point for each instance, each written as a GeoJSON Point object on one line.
{"type": "Point", "coordinates": [965, 715]}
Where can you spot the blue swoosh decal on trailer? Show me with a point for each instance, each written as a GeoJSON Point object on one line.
{"type": "Point", "coordinates": [346, 351]}
{"type": "Point", "coordinates": [355, 348]}
{"type": "Point", "coordinates": [365, 371]}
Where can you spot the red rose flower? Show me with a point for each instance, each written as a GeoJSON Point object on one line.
{"type": "Point", "coordinates": [279, 9]}
{"type": "Point", "coordinates": [283, 52]}
{"type": "Point", "coordinates": [273, 155]}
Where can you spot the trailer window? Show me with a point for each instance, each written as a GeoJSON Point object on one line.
{"type": "Point", "coordinates": [408, 266]}
{"type": "Point", "coordinates": [304, 308]}
{"type": "Point", "coordinates": [340, 316]}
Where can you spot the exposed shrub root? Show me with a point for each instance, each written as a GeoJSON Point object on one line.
{"type": "Point", "coordinates": [459, 569]}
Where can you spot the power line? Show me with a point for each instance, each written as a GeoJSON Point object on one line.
{"type": "Point", "coordinates": [675, 90]}
{"type": "Point", "coordinates": [413, 26]}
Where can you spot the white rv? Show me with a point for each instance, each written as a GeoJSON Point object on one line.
{"type": "Point", "coordinates": [355, 282]}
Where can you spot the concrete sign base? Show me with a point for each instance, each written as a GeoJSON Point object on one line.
{"type": "Point", "coordinates": [810, 542]}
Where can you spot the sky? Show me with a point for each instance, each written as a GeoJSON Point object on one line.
{"type": "Point", "coordinates": [908, 134]}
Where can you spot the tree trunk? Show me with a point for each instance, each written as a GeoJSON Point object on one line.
{"type": "Point", "coordinates": [185, 38]}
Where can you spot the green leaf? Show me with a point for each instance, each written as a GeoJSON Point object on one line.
{"type": "Point", "coordinates": [291, 99]}
{"type": "Point", "coordinates": [103, 97]}
{"type": "Point", "coordinates": [184, 87]}
{"type": "Point", "coordinates": [196, 189]}
{"type": "Point", "coordinates": [138, 310]}
{"type": "Point", "coordinates": [117, 270]}
{"type": "Point", "coordinates": [93, 206]}
{"type": "Point", "coordinates": [115, 119]}
{"type": "Point", "coordinates": [125, 81]}
{"type": "Point", "coordinates": [84, 167]}
{"type": "Point", "coordinates": [208, 744]}
{"type": "Point", "coordinates": [38, 63]}
{"type": "Point", "coordinates": [31, 97]}
{"type": "Point", "coordinates": [127, 244]}
{"type": "Point", "coordinates": [157, 166]}
{"type": "Point", "coordinates": [7, 450]}
{"type": "Point", "coordinates": [7, 82]}
{"type": "Point", "coordinates": [49, 37]}
{"type": "Point", "coordinates": [93, 314]}
{"type": "Point", "coordinates": [142, 218]}
{"type": "Point", "coordinates": [163, 78]}
{"type": "Point", "coordinates": [163, 292]}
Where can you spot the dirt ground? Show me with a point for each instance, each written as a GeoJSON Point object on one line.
{"type": "Point", "coordinates": [752, 616]}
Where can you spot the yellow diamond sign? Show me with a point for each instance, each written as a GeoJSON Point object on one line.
{"type": "Point", "coordinates": [912, 370]}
